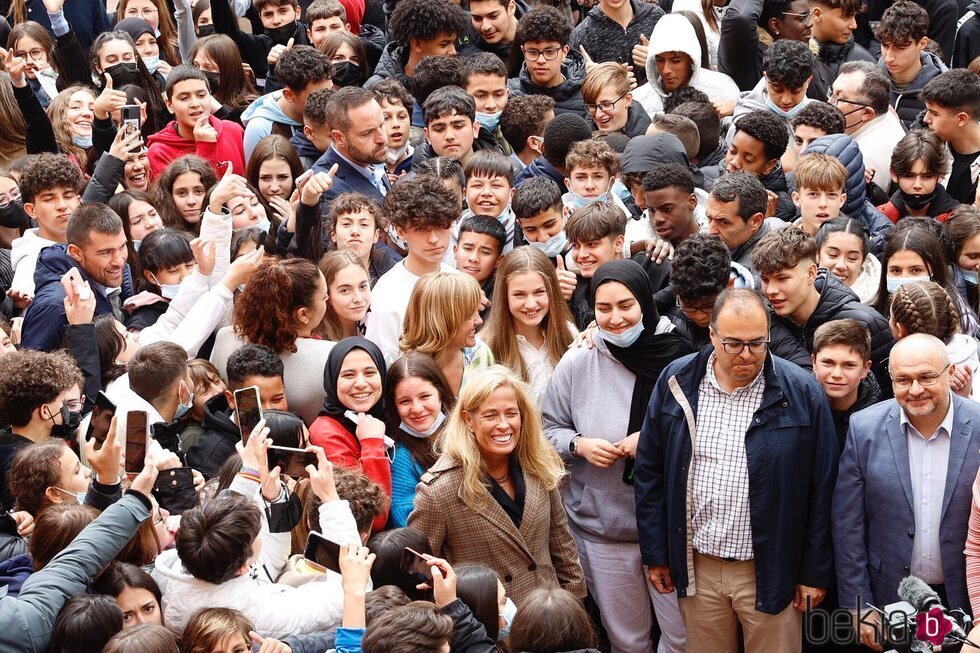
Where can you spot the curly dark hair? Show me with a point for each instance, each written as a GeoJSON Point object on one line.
{"type": "Point", "coordinates": [302, 65]}
{"type": "Point", "coordinates": [543, 24]}
{"type": "Point", "coordinates": [524, 116]}
{"type": "Point", "coordinates": [215, 539]}
{"type": "Point", "coordinates": [433, 73]}
{"type": "Point", "coordinates": [903, 23]}
{"type": "Point", "coordinates": [34, 469]}
{"type": "Point", "coordinates": [685, 94]}
{"type": "Point", "coordinates": [31, 378]}
{"type": "Point", "coordinates": [766, 127]}
{"type": "Point", "coordinates": [252, 360]}
{"type": "Point", "coordinates": [425, 20]}
{"type": "Point", "coordinates": [821, 115]}
{"type": "Point", "coordinates": [47, 171]}
{"type": "Point", "coordinates": [390, 90]}
{"type": "Point", "coordinates": [663, 175]}
{"type": "Point", "coordinates": [421, 202]}
{"type": "Point", "coordinates": [789, 63]}
{"type": "Point", "coordinates": [265, 314]}
{"type": "Point", "coordinates": [365, 498]}
{"type": "Point", "coordinates": [700, 268]}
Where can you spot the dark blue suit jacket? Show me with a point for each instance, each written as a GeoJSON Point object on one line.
{"type": "Point", "coordinates": [347, 179]}
{"type": "Point", "coordinates": [873, 524]}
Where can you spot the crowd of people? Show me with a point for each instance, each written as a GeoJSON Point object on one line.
{"type": "Point", "coordinates": [545, 326]}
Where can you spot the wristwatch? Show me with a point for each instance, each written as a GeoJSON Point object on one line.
{"type": "Point", "coordinates": [573, 446]}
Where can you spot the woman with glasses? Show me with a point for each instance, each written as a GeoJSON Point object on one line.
{"type": "Point", "coordinates": [595, 427]}
{"type": "Point", "coordinates": [606, 91]}
{"type": "Point", "coordinates": [55, 62]}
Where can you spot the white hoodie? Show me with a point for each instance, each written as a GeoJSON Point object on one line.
{"type": "Point", "coordinates": [674, 33]}
{"type": "Point", "coordinates": [23, 259]}
{"type": "Point", "coordinates": [962, 350]}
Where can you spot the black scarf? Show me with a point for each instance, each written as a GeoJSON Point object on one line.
{"type": "Point", "coordinates": [335, 360]}
{"type": "Point", "coordinates": [652, 351]}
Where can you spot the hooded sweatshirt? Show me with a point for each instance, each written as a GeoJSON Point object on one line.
{"type": "Point", "coordinates": [962, 350]}
{"type": "Point", "coordinates": [758, 100]}
{"type": "Point", "coordinates": [167, 145]}
{"type": "Point", "coordinates": [567, 95]}
{"type": "Point", "coordinates": [674, 33]}
{"type": "Point", "coordinates": [606, 40]}
{"type": "Point", "coordinates": [906, 101]}
{"type": "Point", "coordinates": [23, 259]}
{"type": "Point", "coordinates": [260, 117]}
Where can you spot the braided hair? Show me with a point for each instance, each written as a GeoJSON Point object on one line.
{"type": "Point", "coordinates": [925, 307]}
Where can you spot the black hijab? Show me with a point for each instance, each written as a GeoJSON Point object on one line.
{"type": "Point", "coordinates": [335, 360]}
{"type": "Point", "coordinates": [652, 351]}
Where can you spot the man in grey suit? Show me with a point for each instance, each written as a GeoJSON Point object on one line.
{"type": "Point", "coordinates": [902, 501]}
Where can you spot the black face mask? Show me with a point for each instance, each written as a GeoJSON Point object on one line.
{"type": "Point", "coordinates": [214, 80]}
{"type": "Point", "coordinates": [205, 30]}
{"type": "Point", "coordinates": [123, 73]}
{"type": "Point", "coordinates": [281, 35]}
{"type": "Point", "coordinates": [69, 424]}
{"type": "Point", "coordinates": [347, 73]}
{"type": "Point", "coordinates": [283, 517]}
{"type": "Point", "coordinates": [917, 202]}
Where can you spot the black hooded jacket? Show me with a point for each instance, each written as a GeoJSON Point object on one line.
{"type": "Point", "coordinates": [834, 55]}
{"type": "Point", "coordinates": [567, 95]}
{"type": "Point", "coordinates": [217, 443]}
{"type": "Point", "coordinates": [966, 43]}
{"type": "Point", "coordinates": [869, 393]}
{"type": "Point", "coordinates": [837, 302]}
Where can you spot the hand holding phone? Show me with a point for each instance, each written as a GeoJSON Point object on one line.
{"type": "Point", "coordinates": [136, 435]}
{"type": "Point", "coordinates": [292, 461]}
{"type": "Point", "coordinates": [99, 424]}
{"type": "Point", "coordinates": [248, 407]}
{"type": "Point", "coordinates": [417, 565]}
{"type": "Point", "coordinates": [322, 552]}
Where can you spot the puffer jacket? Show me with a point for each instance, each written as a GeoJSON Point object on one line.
{"type": "Point", "coordinates": [674, 33]}
{"type": "Point", "coordinates": [906, 102]}
{"type": "Point", "coordinates": [391, 64]}
{"type": "Point", "coordinates": [835, 55]}
{"type": "Point", "coordinates": [567, 95]}
{"type": "Point", "coordinates": [846, 150]}
{"type": "Point", "coordinates": [776, 182]}
{"type": "Point", "coordinates": [837, 302]}
{"type": "Point", "coordinates": [606, 40]}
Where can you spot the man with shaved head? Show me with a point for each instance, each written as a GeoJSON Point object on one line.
{"type": "Point", "coordinates": [902, 502]}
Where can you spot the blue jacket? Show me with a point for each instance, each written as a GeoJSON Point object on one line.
{"type": "Point", "coordinates": [791, 450]}
{"type": "Point", "coordinates": [540, 167]}
{"type": "Point", "coordinates": [347, 180]}
{"type": "Point", "coordinates": [845, 149]}
{"type": "Point", "coordinates": [874, 524]}
{"type": "Point", "coordinates": [44, 322]}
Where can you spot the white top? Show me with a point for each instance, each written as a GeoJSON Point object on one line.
{"type": "Point", "coordinates": [389, 303]}
{"type": "Point", "coordinates": [23, 259]}
{"type": "Point", "coordinates": [877, 139]}
{"type": "Point", "coordinates": [539, 367]}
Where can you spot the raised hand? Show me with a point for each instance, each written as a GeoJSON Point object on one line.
{"type": "Point", "coordinates": [567, 280]}
{"type": "Point", "coordinates": [242, 268]}
{"type": "Point", "coordinates": [640, 51]}
{"type": "Point", "coordinates": [277, 51]}
{"type": "Point", "coordinates": [127, 141]}
{"type": "Point", "coordinates": [203, 255]}
{"type": "Point", "coordinates": [231, 185]}
{"type": "Point", "coordinates": [369, 427]}
{"type": "Point", "coordinates": [585, 55]}
{"type": "Point", "coordinates": [107, 461]}
{"type": "Point", "coordinates": [317, 185]}
{"type": "Point", "coordinates": [321, 477]}
{"type": "Point", "coordinates": [53, 6]}
{"type": "Point", "coordinates": [109, 100]}
{"type": "Point", "coordinates": [204, 132]}
{"type": "Point", "coordinates": [16, 67]}
{"type": "Point", "coordinates": [281, 207]}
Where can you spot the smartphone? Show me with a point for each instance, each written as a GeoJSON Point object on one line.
{"type": "Point", "coordinates": [249, 409]}
{"type": "Point", "coordinates": [135, 441]}
{"type": "Point", "coordinates": [292, 461]}
{"type": "Point", "coordinates": [414, 564]}
{"type": "Point", "coordinates": [102, 414]}
{"type": "Point", "coordinates": [322, 552]}
{"type": "Point", "coordinates": [131, 116]}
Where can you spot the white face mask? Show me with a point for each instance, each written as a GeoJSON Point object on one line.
{"type": "Point", "coordinates": [553, 246]}
{"type": "Point", "coordinates": [510, 611]}
{"type": "Point", "coordinates": [624, 339]}
{"type": "Point", "coordinates": [894, 283]}
{"type": "Point", "coordinates": [167, 290]}
{"type": "Point", "coordinates": [77, 496]}
{"type": "Point", "coordinates": [426, 433]}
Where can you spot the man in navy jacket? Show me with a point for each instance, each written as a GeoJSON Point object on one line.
{"type": "Point", "coordinates": [735, 470]}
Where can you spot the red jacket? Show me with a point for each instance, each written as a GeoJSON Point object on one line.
{"type": "Point", "coordinates": [342, 448]}
{"type": "Point", "coordinates": [167, 145]}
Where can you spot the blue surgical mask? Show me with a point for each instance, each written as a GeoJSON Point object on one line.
{"type": "Point", "coordinates": [624, 339]}
{"type": "Point", "coordinates": [894, 283]}
{"type": "Point", "coordinates": [971, 276]}
{"type": "Point", "coordinates": [136, 244]}
{"type": "Point", "coordinates": [83, 142]}
{"type": "Point", "coordinates": [78, 496]}
{"type": "Point", "coordinates": [489, 120]}
{"type": "Point", "coordinates": [167, 290]}
{"type": "Point", "coordinates": [620, 190]}
{"type": "Point", "coordinates": [553, 246]}
{"type": "Point", "coordinates": [151, 63]}
{"type": "Point", "coordinates": [576, 201]}
{"type": "Point", "coordinates": [264, 225]}
{"type": "Point", "coordinates": [510, 611]}
{"type": "Point", "coordinates": [183, 409]}
{"type": "Point", "coordinates": [785, 114]}
{"type": "Point", "coordinates": [426, 433]}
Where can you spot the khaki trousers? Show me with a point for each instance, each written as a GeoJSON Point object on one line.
{"type": "Point", "coordinates": [725, 597]}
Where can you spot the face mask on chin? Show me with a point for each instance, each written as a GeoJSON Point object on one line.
{"type": "Point", "coordinates": [281, 35]}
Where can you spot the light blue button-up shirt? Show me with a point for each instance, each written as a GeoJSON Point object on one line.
{"type": "Point", "coordinates": [928, 463]}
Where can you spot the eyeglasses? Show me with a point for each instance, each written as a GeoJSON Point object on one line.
{"type": "Point", "coordinates": [807, 17]}
{"type": "Point", "coordinates": [35, 55]}
{"type": "Point", "coordinates": [75, 405]}
{"type": "Point", "coordinates": [13, 195]}
{"type": "Point", "coordinates": [704, 309]}
{"type": "Point", "coordinates": [550, 54]}
{"type": "Point", "coordinates": [836, 99]}
{"type": "Point", "coordinates": [145, 11]}
{"type": "Point", "coordinates": [925, 381]}
{"type": "Point", "coordinates": [738, 346]}
{"type": "Point", "coordinates": [605, 107]}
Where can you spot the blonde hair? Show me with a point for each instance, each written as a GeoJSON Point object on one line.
{"type": "Point", "coordinates": [440, 304]}
{"type": "Point", "coordinates": [58, 116]}
{"type": "Point", "coordinates": [209, 626]}
{"type": "Point", "coordinates": [537, 458]}
{"type": "Point", "coordinates": [817, 171]}
{"type": "Point", "coordinates": [603, 75]}
{"type": "Point", "coordinates": [500, 333]}
{"type": "Point", "coordinates": [330, 265]}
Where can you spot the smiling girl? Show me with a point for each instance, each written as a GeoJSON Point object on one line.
{"type": "Point", "coordinates": [348, 295]}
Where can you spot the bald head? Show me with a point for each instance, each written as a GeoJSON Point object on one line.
{"type": "Point", "coordinates": [920, 371]}
{"type": "Point", "coordinates": [918, 348]}
{"type": "Point", "coordinates": [739, 301]}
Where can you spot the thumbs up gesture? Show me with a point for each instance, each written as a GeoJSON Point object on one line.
{"type": "Point", "coordinates": [109, 100]}
{"type": "Point", "coordinates": [277, 51]}
{"type": "Point", "coordinates": [640, 51]}
{"type": "Point", "coordinates": [567, 280]}
{"type": "Point", "coordinates": [230, 185]}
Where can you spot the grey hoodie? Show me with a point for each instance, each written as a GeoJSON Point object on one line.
{"type": "Point", "coordinates": [906, 101]}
